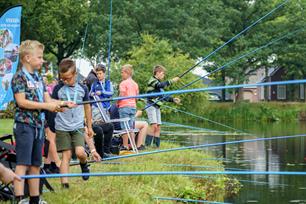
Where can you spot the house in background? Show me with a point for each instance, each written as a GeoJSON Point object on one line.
{"type": "Point", "coordinates": [271, 93]}
{"type": "Point", "coordinates": [294, 92]}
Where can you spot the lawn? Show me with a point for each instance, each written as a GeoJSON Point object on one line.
{"type": "Point", "coordinates": [143, 189]}
{"type": "Point", "coordinates": [6, 126]}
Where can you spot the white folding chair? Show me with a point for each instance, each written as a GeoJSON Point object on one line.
{"type": "Point", "coordinates": [127, 129]}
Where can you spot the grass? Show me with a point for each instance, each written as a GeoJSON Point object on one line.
{"type": "Point", "coordinates": [6, 126]}
{"type": "Point", "coordinates": [142, 189]}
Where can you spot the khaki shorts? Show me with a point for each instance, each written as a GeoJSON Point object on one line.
{"type": "Point", "coordinates": [69, 140]}
{"type": "Point", "coordinates": [154, 115]}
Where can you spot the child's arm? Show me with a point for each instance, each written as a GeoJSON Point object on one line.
{"type": "Point", "coordinates": [166, 83]}
{"type": "Point", "coordinates": [88, 117]}
{"type": "Point", "coordinates": [22, 102]}
{"type": "Point", "coordinates": [111, 91]}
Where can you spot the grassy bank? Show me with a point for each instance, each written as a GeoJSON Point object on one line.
{"type": "Point", "coordinates": [244, 111]}
{"type": "Point", "coordinates": [142, 189]}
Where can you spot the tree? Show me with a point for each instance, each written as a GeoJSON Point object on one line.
{"type": "Point", "coordinates": [59, 25]}
{"type": "Point", "coordinates": [153, 51]}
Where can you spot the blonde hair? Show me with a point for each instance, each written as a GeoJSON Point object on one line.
{"type": "Point", "coordinates": [158, 68]}
{"type": "Point", "coordinates": [128, 68]}
{"type": "Point", "coordinates": [28, 46]}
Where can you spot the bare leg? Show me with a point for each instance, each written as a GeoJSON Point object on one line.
{"type": "Point", "coordinates": [52, 147]}
{"type": "Point", "coordinates": [64, 168]}
{"type": "Point", "coordinates": [143, 128]}
{"type": "Point", "coordinates": [81, 154]}
{"type": "Point", "coordinates": [19, 185]}
{"type": "Point", "coordinates": [34, 183]}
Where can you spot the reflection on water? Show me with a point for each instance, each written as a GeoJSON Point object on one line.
{"type": "Point", "coordinates": [274, 155]}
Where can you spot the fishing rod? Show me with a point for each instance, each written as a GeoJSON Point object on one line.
{"type": "Point", "coordinates": [198, 147]}
{"type": "Point", "coordinates": [232, 62]}
{"type": "Point", "coordinates": [165, 173]}
{"type": "Point", "coordinates": [300, 81]}
{"type": "Point", "coordinates": [233, 38]}
{"type": "Point", "coordinates": [203, 118]}
{"type": "Point", "coordinates": [184, 200]}
{"type": "Point", "coordinates": [110, 38]}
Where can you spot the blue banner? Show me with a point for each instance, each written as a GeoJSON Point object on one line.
{"type": "Point", "coordinates": [9, 45]}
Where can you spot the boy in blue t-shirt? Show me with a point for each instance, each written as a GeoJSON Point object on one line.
{"type": "Point", "coordinates": [69, 126]}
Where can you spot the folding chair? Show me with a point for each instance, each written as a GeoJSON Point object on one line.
{"type": "Point", "coordinates": [8, 159]}
{"type": "Point", "coordinates": [125, 121]}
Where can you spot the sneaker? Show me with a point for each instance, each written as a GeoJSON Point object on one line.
{"type": "Point", "coordinates": [108, 155]}
{"type": "Point", "coordinates": [65, 185]}
{"type": "Point", "coordinates": [47, 170]}
{"type": "Point", "coordinates": [141, 147]}
{"type": "Point", "coordinates": [42, 201]}
{"type": "Point", "coordinates": [85, 169]}
{"type": "Point", "coordinates": [123, 148]}
{"type": "Point", "coordinates": [24, 201]}
{"type": "Point", "coordinates": [54, 169]}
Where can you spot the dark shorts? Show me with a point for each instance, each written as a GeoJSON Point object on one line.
{"type": "Point", "coordinates": [50, 118]}
{"type": "Point", "coordinates": [28, 145]}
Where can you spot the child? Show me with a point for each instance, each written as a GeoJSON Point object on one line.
{"type": "Point", "coordinates": [153, 111]}
{"type": "Point", "coordinates": [102, 88]}
{"type": "Point", "coordinates": [69, 126]}
{"type": "Point", "coordinates": [31, 98]}
{"type": "Point", "coordinates": [127, 107]}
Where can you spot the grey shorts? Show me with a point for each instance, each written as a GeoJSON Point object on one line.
{"type": "Point", "coordinates": [154, 115]}
{"type": "Point", "coordinates": [28, 145]}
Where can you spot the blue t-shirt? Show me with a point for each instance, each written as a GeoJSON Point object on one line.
{"type": "Point", "coordinates": [70, 119]}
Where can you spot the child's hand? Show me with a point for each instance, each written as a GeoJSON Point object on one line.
{"type": "Point", "coordinates": [98, 93]}
{"type": "Point", "coordinates": [90, 132]}
{"type": "Point", "coordinates": [96, 156]}
{"type": "Point", "coordinates": [54, 106]}
{"type": "Point", "coordinates": [8, 176]}
{"type": "Point", "coordinates": [177, 100]}
{"type": "Point", "coordinates": [175, 79]}
{"type": "Point", "coordinates": [69, 104]}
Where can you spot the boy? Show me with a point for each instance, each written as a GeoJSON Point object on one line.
{"type": "Point", "coordinates": [127, 107]}
{"type": "Point", "coordinates": [153, 111]}
{"type": "Point", "coordinates": [69, 126]}
{"type": "Point", "coordinates": [31, 99]}
{"type": "Point", "coordinates": [102, 88]}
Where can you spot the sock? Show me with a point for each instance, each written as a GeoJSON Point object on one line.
{"type": "Point", "coordinates": [157, 141]}
{"type": "Point", "coordinates": [83, 164]}
{"type": "Point", "coordinates": [19, 198]}
{"type": "Point", "coordinates": [149, 139]}
{"type": "Point", "coordinates": [65, 185]}
{"type": "Point", "coordinates": [46, 166]}
{"type": "Point", "coordinates": [34, 199]}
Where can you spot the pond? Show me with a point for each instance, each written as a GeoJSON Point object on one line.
{"type": "Point", "coordinates": [274, 155]}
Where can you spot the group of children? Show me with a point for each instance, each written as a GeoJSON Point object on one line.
{"type": "Point", "coordinates": [71, 121]}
